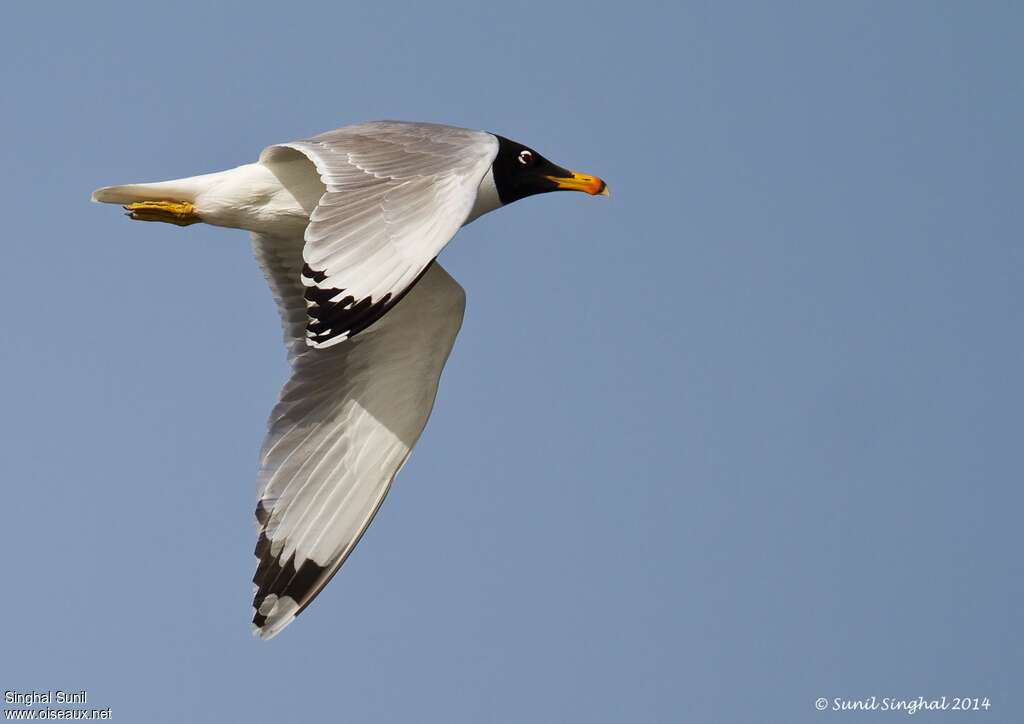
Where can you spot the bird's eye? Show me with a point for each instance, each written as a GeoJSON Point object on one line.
{"type": "Point", "coordinates": [526, 158]}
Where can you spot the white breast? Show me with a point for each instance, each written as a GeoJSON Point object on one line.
{"type": "Point", "coordinates": [486, 198]}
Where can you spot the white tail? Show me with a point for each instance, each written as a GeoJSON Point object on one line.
{"type": "Point", "coordinates": [274, 200]}
{"type": "Point", "coordinates": [182, 189]}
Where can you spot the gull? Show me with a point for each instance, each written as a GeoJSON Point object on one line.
{"type": "Point", "coordinates": [346, 227]}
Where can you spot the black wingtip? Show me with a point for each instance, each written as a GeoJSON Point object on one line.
{"type": "Point", "coordinates": [346, 316]}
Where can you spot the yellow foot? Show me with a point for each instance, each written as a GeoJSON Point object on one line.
{"type": "Point", "coordinates": [181, 213]}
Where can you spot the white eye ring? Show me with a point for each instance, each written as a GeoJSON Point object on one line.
{"type": "Point", "coordinates": [525, 157]}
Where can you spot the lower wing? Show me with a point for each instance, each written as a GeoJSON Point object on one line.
{"type": "Point", "coordinates": [345, 424]}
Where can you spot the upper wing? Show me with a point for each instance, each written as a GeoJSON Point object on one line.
{"type": "Point", "coordinates": [396, 194]}
{"type": "Point", "coordinates": [344, 426]}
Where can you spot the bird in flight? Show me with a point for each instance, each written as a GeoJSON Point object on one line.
{"type": "Point", "coordinates": [346, 227]}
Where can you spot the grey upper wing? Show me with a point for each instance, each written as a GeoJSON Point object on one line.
{"type": "Point", "coordinates": [396, 194]}
{"type": "Point", "coordinates": [345, 424]}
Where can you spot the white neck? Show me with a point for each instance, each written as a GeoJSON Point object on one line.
{"type": "Point", "coordinates": [486, 198]}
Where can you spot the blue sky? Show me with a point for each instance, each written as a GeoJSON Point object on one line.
{"type": "Point", "coordinates": [743, 435]}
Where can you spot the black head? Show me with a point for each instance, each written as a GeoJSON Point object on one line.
{"type": "Point", "coordinates": [520, 171]}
